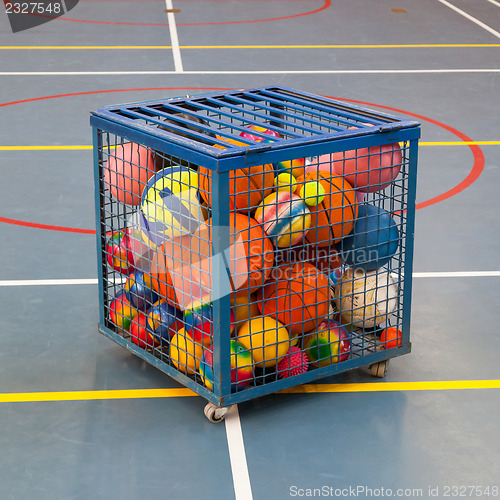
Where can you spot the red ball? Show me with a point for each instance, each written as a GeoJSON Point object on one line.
{"type": "Point", "coordinates": [139, 334]}
{"type": "Point", "coordinates": [127, 171]}
{"type": "Point", "coordinates": [295, 362]}
{"type": "Point", "coordinates": [391, 337]}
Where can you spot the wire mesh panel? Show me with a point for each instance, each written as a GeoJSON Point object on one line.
{"type": "Point", "coordinates": [254, 240]}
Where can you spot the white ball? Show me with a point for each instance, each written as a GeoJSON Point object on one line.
{"type": "Point", "coordinates": [366, 299]}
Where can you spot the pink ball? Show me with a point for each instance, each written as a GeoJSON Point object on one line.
{"type": "Point", "coordinates": [262, 130]}
{"type": "Point", "coordinates": [127, 171]}
{"type": "Point", "coordinates": [366, 169]}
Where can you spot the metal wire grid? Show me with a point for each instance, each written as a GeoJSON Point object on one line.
{"type": "Point", "coordinates": [115, 216]}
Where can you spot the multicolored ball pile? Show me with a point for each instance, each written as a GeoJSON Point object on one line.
{"type": "Point", "coordinates": [309, 266]}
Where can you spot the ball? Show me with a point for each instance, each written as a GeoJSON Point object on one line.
{"type": "Point", "coordinates": [248, 186]}
{"type": "Point", "coordinates": [138, 288]}
{"type": "Point", "coordinates": [284, 182]}
{"type": "Point", "coordinates": [241, 367]}
{"type": "Point", "coordinates": [295, 167]}
{"type": "Point", "coordinates": [163, 321]}
{"type": "Point", "coordinates": [261, 130]}
{"type": "Point", "coordinates": [139, 334]}
{"type": "Point", "coordinates": [312, 192]}
{"type": "Point", "coordinates": [328, 345]}
{"type": "Point", "coordinates": [185, 354]}
{"type": "Point", "coordinates": [297, 295]}
{"type": "Point", "coordinates": [366, 169]}
{"type": "Point", "coordinates": [198, 321]}
{"type": "Point", "coordinates": [391, 337]}
{"type": "Point", "coordinates": [374, 240]}
{"type": "Point", "coordinates": [121, 312]}
{"type": "Point", "coordinates": [245, 308]}
{"type": "Point", "coordinates": [285, 218]}
{"type": "Point", "coordinates": [250, 255]}
{"type": "Point", "coordinates": [127, 171]}
{"type": "Point", "coordinates": [333, 218]}
{"type": "Point", "coordinates": [366, 299]}
{"type": "Point", "coordinates": [170, 204]}
{"type": "Point", "coordinates": [119, 252]}
{"type": "Point", "coordinates": [266, 338]}
{"type": "Point", "coordinates": [180, 273]}
{"type": "Point", "coordinates": [293, 363]}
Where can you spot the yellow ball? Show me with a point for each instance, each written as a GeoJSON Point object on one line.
{"type": "Point", "coordinates": [244, 308]}
{"type": "Point", "coordinates": [185, 353]}
{"type": "Point", "coordinates": [313, 193]}
{"type": "Point", "coordinates": [284, 181]}
{"type": "Point", "coordinates": [266, 338]}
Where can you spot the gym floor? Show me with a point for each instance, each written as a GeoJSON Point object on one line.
{"type": "Point", "coordinates": [82, 418]}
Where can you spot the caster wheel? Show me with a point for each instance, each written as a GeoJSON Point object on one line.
{"type": "Point", "coordinates": [379, 369]}
{"type": "Point", "coordinates": [214, 413]}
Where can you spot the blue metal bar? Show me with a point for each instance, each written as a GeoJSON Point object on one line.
{"type": "Point", "coordinates": [220, 278]}
{"type": "Point", "coordinates": [98, 189]}
{"type": "Point", "coordinates": [410, 236]}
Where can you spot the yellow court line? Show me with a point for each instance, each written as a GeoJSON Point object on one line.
{"type": "Point", "coordinates": [445, 385]}
{"type": "Point", "coordinates": [201, 47]}
{"type": "Point", "coordinates": [32, 397]}
{"type": "Point", "coordinates": [70, 148]}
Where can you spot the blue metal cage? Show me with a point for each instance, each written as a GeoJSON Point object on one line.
{"type": "Point", "coordinates": [199, 237]}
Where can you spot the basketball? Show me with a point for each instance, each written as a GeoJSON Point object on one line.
{"type": "Point", "coordinates": [374, 240]}
{"type": "Point", "coordinates": [251, 253]}
{"type": "Point", "coordinates": [127, 171]}
{"type": "Point", "coordinates": [298, 295]}
{"type": "Point", "coordinates": [266, 338]}
{"type": "Point", "coordinates": [333, 218]}
{"type": "Point", "coordinates": [248, 186]}
{"type": "Point", "coordinates": [180, 271]}
{"type": "Point", "coordinates": [367, 299]}
{"type": "Point", "coordinates": [170, 204]}
{"type": "Point", "coordinates": [328, 345]}
{"type": "Point", "coordinates": [285, 218]}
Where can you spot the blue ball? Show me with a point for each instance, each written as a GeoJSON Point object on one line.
{"type": "Point", "coordinates": [163, 321]}
{"type": "Point", "coordinates": [139, 290]}
{"type": "Point", "coordinates": [374, 240]}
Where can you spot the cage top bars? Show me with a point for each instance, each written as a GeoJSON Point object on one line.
{"type": "Point", "coordinates": [213, 123]}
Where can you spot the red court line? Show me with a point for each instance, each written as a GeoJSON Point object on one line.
{"type": "Point", "coordinates": [326, 4]}
{"type": "Point", "coordinates": [474, 174]}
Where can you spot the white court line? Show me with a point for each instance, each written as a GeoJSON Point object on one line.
{"type": "Point", "coordinates": [237, 456]}
{"type": "Point", "coordinates": [94, 281]}
{"type": "Point", "coordinates": [176, 51]}
{"type": "Point", "coordinates": [255, 72]}
{"type": "Point", "coordinates": [470, 18]}
{"type": "Point", "coordinates": [494, 2]}
{"type": "Point", "coordinates": [458, 274]}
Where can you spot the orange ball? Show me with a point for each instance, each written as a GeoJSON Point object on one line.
{"type": "Point", "coordinates": [298, 295]}
{"type": "Point", "coordinates": [182, 268]}
{"type": "Point", "coordinates": [334, 217]}
{"type": "Point", "coordinates": [127, 171]}
{"type": "Point", "coordinates": [391, 337]}
{"type": "Point", "coordinates": [180, 271]}
{"type": "Point", "coordinates": [248, 186]}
